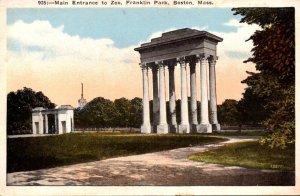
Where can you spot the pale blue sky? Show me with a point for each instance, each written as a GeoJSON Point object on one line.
{"type": "Point", "coordinates": [106, 62]}
{"type": "Point", "coordinates": [126, 26]}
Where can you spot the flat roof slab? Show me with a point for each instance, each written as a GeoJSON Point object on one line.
{"type": "Point", "coordinates": [179, 43]}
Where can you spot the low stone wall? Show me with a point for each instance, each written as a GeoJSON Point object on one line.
{"type": "Point", "coordinates": [243, 128]}
{"type": "Point", "coordinates": [125, 129]}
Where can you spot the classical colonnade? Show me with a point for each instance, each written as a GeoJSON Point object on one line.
{"type": "Point", "coordinates": [184, 47]}
{"type": "Point", "coordinates": [208, 121]}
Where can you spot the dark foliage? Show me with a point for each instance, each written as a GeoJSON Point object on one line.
{"type": "Point", "coordinates": [20, 105]}
{"type": "Point", "coordinates": [274, 57]}
{"type": "Point", "coordinates": [102, 112]}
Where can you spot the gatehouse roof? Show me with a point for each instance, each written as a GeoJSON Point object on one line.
{"type": "Point", "coordinates": [178, 36]}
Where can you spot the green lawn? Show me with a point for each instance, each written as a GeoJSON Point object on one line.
{"type": "Point", "coordinates": [44, 152]}
{"type": "Point", "coordinates": [250, 154]}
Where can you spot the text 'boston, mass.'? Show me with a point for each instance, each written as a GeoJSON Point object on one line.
{"type": "Point", "coordinates": [127, 2]}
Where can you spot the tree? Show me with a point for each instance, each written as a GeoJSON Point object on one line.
{"type": "Point", "coordinates": [101, 112]}
{"type": "Point", "coordinates": [227, 112]}
{"type": "Point", "coordinates": [274, 45]}
{"type": "Point", "coordinates": [136, 112]}
{"type": "Point", "coordinates": [274, 58]}
{"type": "Point", "coordinates": [123, 115]}
{"type": "Point", "coordinates": [19, 108]}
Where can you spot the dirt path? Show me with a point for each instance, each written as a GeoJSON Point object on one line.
{"type": "Point", "coordinates": [160, 168]}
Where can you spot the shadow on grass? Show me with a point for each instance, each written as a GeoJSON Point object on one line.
{"type": "Point", "coordinates": [34, 153]}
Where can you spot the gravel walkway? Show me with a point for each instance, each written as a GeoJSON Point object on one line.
{"type": "Point", "coordinates": [160, 168]}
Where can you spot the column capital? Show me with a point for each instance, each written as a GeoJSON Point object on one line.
{"type": "Point", "coordinates": [181, 61]}
{"type": "Point", "coordinates": [202, 57]}
{"type": "Point", "coordinates": [160, 64]}
{"type": "Point", "coordinates": [144, 66]}
{"type": "Point", "coordinates": [171, 63]}
{"type": "Point", "coordinates": [212, 60]}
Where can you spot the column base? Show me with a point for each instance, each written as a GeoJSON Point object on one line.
{"type": "Point", "coordinates": [205, 128]}
{"type": "Point", "coordinates": [173, 128]}
{"type": "Point", "coordinates": [183, 129]}
{"type": "Point", "coordinates": [195, 128]}
{"type": "Point", "coordinates": [163, 129]}
{"type": "Point", "coordinates": [216, 127]}
{"type": "Point", "coordinates": [146, 128]}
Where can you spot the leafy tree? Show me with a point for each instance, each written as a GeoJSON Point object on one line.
{"type": "Point", "coordinates": [123, 115]}
{"type": "Point", "coordinates": [251, 108]}
{"type": "Point", "coordinates": [20, 105]}
{"type": "Point", "coordinates": [227, 112]}
{"type": "Point", "coordinates": [274, 44]}
{"type": "Point", "coordinates": [136, 112]}
{"type": "Point", "coordinates": [274, 58]}
{"type": "Point", "coordinates": [102, 112]}
{"type": "Point", "coordinates": [99, 112]}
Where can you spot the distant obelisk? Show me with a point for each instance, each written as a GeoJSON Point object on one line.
{"type": "Point", "coordinates": [81, 101]}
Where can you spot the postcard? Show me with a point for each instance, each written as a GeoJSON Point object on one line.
{"type": "Point", "coordinates": [144, 97]}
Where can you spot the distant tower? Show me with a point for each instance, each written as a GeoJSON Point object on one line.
{"type": "Point", "coordinates": [81, 101]}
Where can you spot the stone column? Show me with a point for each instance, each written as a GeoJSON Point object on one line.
{"type": "Point", "coordinates": [162, 126]}
{"type": "Point", "coordinates": [204, 125]}
{"type": "Point", "coordinates": [172, 100]}
{"type": "Point", "coordinates": [46, 123]}
{"type": "Point", "coordinates": [146, 127]}
{"type": "Point", "coordinates": [194, 121]}
{"type": "Point", "coordinates": [184, 125]}
{"type": "Point", "coordinates": [56, 125]}
{"type": "Point", "coordinates": [155, 98]}
{"type": "Point", "coordinates": [41, 124]}
{"type": "Point", "coordinates": [213, 96]}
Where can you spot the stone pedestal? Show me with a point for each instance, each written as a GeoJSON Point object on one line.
{"type": "Point", "coordinates": [162, 128]}
{"type": "Point", "coordinates": [146, 128]}
{"type": "Point", "coordinates": [195, 128]}
{"type": "Point", "coordinates": [184, 128]}
{"type": "Point", "coordinates": [205, 128]}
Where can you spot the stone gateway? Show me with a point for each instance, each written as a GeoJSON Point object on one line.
{"type": "Point", "coordinates": [183, 46]}
{"type": "Point", "coordinates": [62, 117]}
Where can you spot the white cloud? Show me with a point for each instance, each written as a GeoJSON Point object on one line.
{"type": "Point", "coordinates": [236, 41]}
{"type": "Point", "coordinates": [234, 23]}
{"type": "Point", "coordinates": [54, 61]}
{"type": "Point", "coordinates": [63, 61]}
{"type": "Point", "coordinates": [56, 44]}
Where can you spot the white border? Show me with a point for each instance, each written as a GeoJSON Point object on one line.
{"type": "Point", "coordinates": [136, 190]}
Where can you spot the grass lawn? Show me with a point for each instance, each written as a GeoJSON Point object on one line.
{"type": "Point", "coordinates": [44, 152]}
{"type": "Point", "coordinates": [250, 154]}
